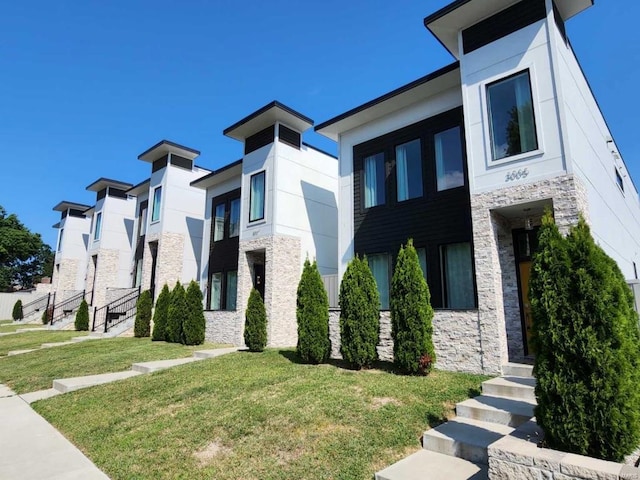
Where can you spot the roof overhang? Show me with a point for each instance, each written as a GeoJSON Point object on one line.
{"type": "Point", "coordinates": [90, 211]}
{"type": "Point", "coordinates": [63, 206]}
{"type": "Point", "coordinates": [140, 188]}
{"type": "Point", "coordinates": [418, 90]}
{"type": "Point", "coordinates": [461, 14]}
{"type": "Point", "coordinates": [164, 147]}
{"type": "Point", "coordinates": [265, 117]}
{"type": "Point", "coordinates": [56, 225]}
{"type": "Point", "coordinates": [219, 176]}
{"type": "Point", "coordinates": [102, 183]}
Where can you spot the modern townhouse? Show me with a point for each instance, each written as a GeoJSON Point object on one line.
{"type": "Point", "coordinates": [466, 159]}
{"type": "Point", "coordinates": [265, 214]}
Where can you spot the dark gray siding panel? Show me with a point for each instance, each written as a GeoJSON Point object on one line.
{"type": "Point", "coordinates": [260, 139]}
{"type": "Point", "coordinates": [181, 162]}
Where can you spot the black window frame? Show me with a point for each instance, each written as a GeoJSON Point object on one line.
{"type": "Point", "coordinates": [223, 290]}
{"type": "Point", "coordinates": [264, 195]}
{"type": "Point", "coordinates": [619, 179]}
{"type": "Point", "coordinates": [443, 274]}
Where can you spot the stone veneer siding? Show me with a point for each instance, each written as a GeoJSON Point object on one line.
{"type": "Point", "coordinates": [65, 278]}
{"type": "Point", "coordinates": [224, 327]}
{"type": "Point", "coordinates": [168, 264]}
{"type": "Point", "coordinates": [106, 274]}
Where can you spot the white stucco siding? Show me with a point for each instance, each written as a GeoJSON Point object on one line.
{"type": "Point", "coordinates": [255, 162]}
{"type": "Point", "coordinates": [73, 246]}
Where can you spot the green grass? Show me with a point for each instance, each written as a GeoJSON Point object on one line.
{"type": "Point", "coordinates": [27, 340]}
{"type": "Point", "coordinates": [2, 322]}
{"type": "Point", "coordinates": [251, 416]}
{"type": "Point", "coordinates": [37, 370]}
{"type": "Point", "coordinates": [13, 328]}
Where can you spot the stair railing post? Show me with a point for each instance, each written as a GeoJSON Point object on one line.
{"type": "Point", "coordinates": [106, 319]}
{"type": "Point", "coordinates": [93, 327]}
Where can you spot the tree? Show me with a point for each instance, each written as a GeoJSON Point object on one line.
{"type": "Point", "coordinates": [312, 313]}
{"type": "Point", "coordinates": [255, 326]}
{"type": "Point", "coordinates": [16, 314]}
{"type": "Point", "coordinates": [161, 314]}
{"type": "Point", "coordinates": [194, 322]}
{"type": "Point", "coordinates": [359, 314]}
{"type": "Point", "coordinates": [585, 332]}
{"type": "Point", "coordinates": [23, 255]}
{"type": "Point", "coordinates": [82, 317]}
{"type": "Point", "coordinates": [411, 314]}
{"type": "Point", "coordinates": [175, 316]}
{"type": "Point", "coordinates": [142, 325]}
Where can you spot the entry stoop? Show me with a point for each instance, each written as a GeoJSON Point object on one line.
{"type": "Point", "coordinates": [435, 466]}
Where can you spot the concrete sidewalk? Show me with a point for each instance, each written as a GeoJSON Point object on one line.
{"type": "Point", "coordinates": [31, 449]}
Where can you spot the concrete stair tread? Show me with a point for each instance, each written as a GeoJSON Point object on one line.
{"type": "Point", "coordinates": [214, 353]}
{"type": "Point", "coordinates": [424, 465]}
{"type": "Point", "coordinates": [84, 339]}
{"type": "Point", "coordinates": [65, 385]}
{"type": "Point", "coordinates": [40, 395]}
{"type": "Point", "coordinates": [56, 344]}
{"type": "Point", "coordinates": [517, 370]}
{"type": "Point", "coordinates": [510, 387]}
{"type": "Point", "coordinates": [149, 367]}
{"type": "Point", "coordinates": [505, 411]}
{"type": "Point", "coordinates": [20, 352]}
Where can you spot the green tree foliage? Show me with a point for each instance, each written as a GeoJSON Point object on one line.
{"type": "Point", "coordinates": [585, 332]}
{"type": "Point", "coordinates": [176, 314]}
{"type": "Point", "coordinates": [411, 314]}
{"type": "Point", "coordinates": [161, 314]}
{"type": "Point", "coordinates": [194, 322]}
{"type": "Point", "coordinates": [142, 325]}
{"type": "Point", "coordinates": [313, 316]}
{"type": "Point", "coordinates": [82, 317]}
{"type": "Point", "coordinates": [16, 314]}
{"type": "Point", "coordinates": [47, 315]}
{"type": "Point", "coordinates": [255, 326]}
{"type": "Point", "coordinates": [359, 314]}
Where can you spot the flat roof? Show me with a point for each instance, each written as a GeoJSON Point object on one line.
{"type": "Point", "coordinates": [268, 115]}
{"type": "Point", "coordinates": [103, 182]}
{"type": "Point", "coordinates": [64, 205]}
{"type": "Point", "coordinates": [220, 175]}
{"type": "Point", "coordinates": [163, 147]}
{"type": "Point", "coordinates": [140, 188]}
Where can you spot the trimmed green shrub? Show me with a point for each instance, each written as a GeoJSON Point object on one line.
{"type": "Point", "coordinates": [142, 325]}
{"type": "Point", "coordinates": [312, 313]}
{"type": "Point", "coordinates": [194, 322]}
{"type": "Point", "coordinates": [585, 333]}
{"type": "Point", "coordinates": [160, 315]}
{"type": "Point", "coordinates": [255, 326]}
{"type": "Point", "coordinates": [47, 315]}
{"type": "Point", "coordinates": [176, 314]}
{"type": "Point", "coordinates": [16, 314]}
{"type": "Point", "coordinates": [82, 317]}
{"type": "Point", "coordinates": [411, 315]}
{"type": "Point", "coordinates": [359, 314]}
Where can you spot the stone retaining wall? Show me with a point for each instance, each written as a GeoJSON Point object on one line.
{"type": "Point", "coordinates": [223, 327]}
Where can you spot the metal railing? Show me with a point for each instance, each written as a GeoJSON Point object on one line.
{"type": "Point", "coordinates": [116, 312]}
{"type": "Point", "coordinates": [66, 307]}
{"type": "Point", "coordinates": [37, 305]}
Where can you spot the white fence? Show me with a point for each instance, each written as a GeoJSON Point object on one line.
{"type": "Point", "coordinates": [8, 300]}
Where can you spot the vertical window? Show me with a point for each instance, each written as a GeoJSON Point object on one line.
{"type": "Point", "coordinates": [157, 198]}
{"type": "Point", "coordinates": [234, 218]}
{"type": "Point", "coordinates": [216, 291]}
{"type": "Point", "coordinates": [256, 201]}
{"type": "Point", "coordinates": [457, 273]}
{"type": "Point", "coordinates": [60, 239]}
{"type": "Point", "coordinates": [96, 233]}
{"type": "Point", "coordinates": [138, 279]}
{"type": "Point", "coordinates": [379, 265]}
{"type": "Point", "coordinates": [409, 170]}
{"type": "Point", "coordinates": [231, 290]}
{"type": "Point", "coordinates": [422, 258]}
{"type": "Point", "coordinates": [218, 228]}
{"type": "Point", "coordinates": [449, 162]}
{"type": "Point", "coordinates": [619, 180]}
{"type": "Point", "coordinates": [511, 117]}
{"type": "Point", "coordinates": [374, 178]}
{"type": "Point", "coordinates": [142, 228]}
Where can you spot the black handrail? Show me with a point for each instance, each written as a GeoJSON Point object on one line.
{"type": "Point", "coordinates": [37, 305]}
{"type": "Point", "coordinates": [116, 312]}
{"type": "Point", "coordinates": [66, 307]}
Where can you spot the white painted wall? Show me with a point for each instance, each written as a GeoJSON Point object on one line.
{"type": "Point", "coordinates": [255, 162]}
{"type": "Point", "coordinates": [75, 241]}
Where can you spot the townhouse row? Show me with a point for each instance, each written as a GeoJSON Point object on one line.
{"type": "Point", "coordinates": [463, 160]}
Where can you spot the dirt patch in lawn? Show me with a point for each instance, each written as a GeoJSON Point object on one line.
{"type": "Point", "coordinates": [210, 452]}
{"type": "Point", "coordinates": [379, 402]}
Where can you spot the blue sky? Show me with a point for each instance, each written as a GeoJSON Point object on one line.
{"type": "Point", "coordinates": [87, 86]}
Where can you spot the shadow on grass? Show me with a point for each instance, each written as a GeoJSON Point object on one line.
{"type": "Point", "coordinates": [386, 367]}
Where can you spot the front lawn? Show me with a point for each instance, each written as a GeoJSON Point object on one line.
{"type": "Point", "coordinates": [28, 340]}
{"type": "Point", "coordinates": [37, 370]}
{"type": "Point", "coordinates": [259, 416]}
{"type": "Point", "coordinates": [12, 328]}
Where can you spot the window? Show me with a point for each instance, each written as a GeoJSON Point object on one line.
{"type": "Point", "coordinates": [457, 273]}
{"type": "Point", "coordinates": [216, 291]}
{"type": "Point", "coordinates": [409, 170]}
{"type": "Point", "coordinates": [374, 177]}
{"type": "Point", "coordinates": [619, 180]}
{"type": "Point", "coordinates": [231, 290]}
{"type": "Point", "coordinates": [379, 265]}
{"type": "Point", "coordinates": [224, 290]}
{"type": "Point", "coordinates": [511, 117]}
{"type": "Point", "coordinates": [60, 239]}
{"type": "Point", "coordinates": [96, 233]}
{"type": "Point", "coordinates": [234, 218]}
{"type": "Point", "coordinates": [256, 201]}
{"type": "Point", "coordinates": [218, 229]}
{"type": "Point", "coordinates": [449, 162]}
{"type": "Point", "coordinates": [157, 198]}
{"type": "Point", "coordinates": [138, 278]}
{"type": "Point", "coordinates": [143, 221]}
{"type": "Point", "coordinates": [422, 258]}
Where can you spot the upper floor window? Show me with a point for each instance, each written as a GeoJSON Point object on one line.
{"type": "Point", "coordinates": [409, 170]}
{"type": "Point", "coordinates": [60, 239]}
{"type": "Point", "coordinates": [374, 178]}
{"type": "Point", "coordinates": [142, 227]}
{"type": "Point", "coordinates": [96, 233]}
{"type": "Point", "coordinates": [157, 199]}
{"type": "Point", "coordinates": [234, 218]}
{"type": "Point", "coordinates": [256, 201]}
{"type": "Point", "coordinates": [449, 161]}
{"type": "Point", "coordinates": [619, 180]}
{"type": "Point", "coordinates": [218, 229]}
{"type": "Point", "coordinates": [511, 116]}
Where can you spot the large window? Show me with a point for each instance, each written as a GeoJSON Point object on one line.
{"type": "Point", "coordinates": [96, 233]}
{"type": "Point", "coordinates": [449, 161]}
{"type": "Point", "coordinates": [409, 170]}
{"type": "Point", "coordinates": [256, 202]}
{"type": "Point", "coordinates": [374, 178]}
{"type": "Point", "coordinates": [216, 291]}
{"type": "Point", "coordinates": [60, 240]}
{"type": "Point", "coordinates": [422, 259]}
{"type": "Point", "coordinates": [218, 229]}
{"type": "Point", "coordinates": [379, 265]}
{"type": "Point", "coordinates": [142, 227]}
{"type": "Point", "coordinates": [224, 290]}
{"type": "Point", "coordinates": [457, 273]}
{"type": "Point", "coordinates": [157, 199]}
{"type": "Point", "coordinates": [511, 116]}
{"type": "Point", "coordinates": [231, 288]}
{"type": "Point", "coordinates": [234, 218]}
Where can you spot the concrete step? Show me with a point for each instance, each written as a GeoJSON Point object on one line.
{"type": "Point", "coordinates": [65, 385]}
{"type": "Point", "coordinates": [433, 466]}
{"type": "Point", "coordinates": [84, 339]}
{"type": "Point", "coordinates": [214, 353]}
{"type": "Point", "coordinates": [464, 438]}
{"type": "Point", "coordinates": [39, 395]}
{"type": "Point", "coordinates": [149, 367]}
{"type": "Point", "coordinates": [34, 329]}
{"type": "Point", "coordinates": [519, 388]}
{"type": "Point", "coordinates": [517, 370]}
{"type": "Point", "coordinates": [20, 352]}
{"type": "Point", "coordinates": [56, 344]}
{"type": "Point", "coordinates": [505, 411]}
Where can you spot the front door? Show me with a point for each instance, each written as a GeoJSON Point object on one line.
{"type": "Point", "coordinates": [525, 245]}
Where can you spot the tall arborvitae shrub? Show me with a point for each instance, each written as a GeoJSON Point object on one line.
{"type": "Point", "coordinates": [16, 314]}
{"type": "Point", "coordinates": [194, 323]}
{"type": "Point", "coordinates": [142, 325]}
{"type": "Point", "coordinates": [176, 314]}
{"type": "Point", "coordinates": [359, 314]}
{"type": "Point", "coordinates": [160, 315]}
{"type": "Point", "coordinates": [411, 315]}
{"type": "Point", "coordinates": [312, 313]}
{"type": "Point", "coordinates": [47, 315]}
{"type": "Point", "coordinates": [255, 326]}
{"type": "Point", "coordinates": [82, 317]}
{"type": "Point", "coordinates": [587, 344]}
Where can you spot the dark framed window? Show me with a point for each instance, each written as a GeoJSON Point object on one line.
{"type": "Point", "coordinates": [374, 180]}
{"type": "Point", "coordinates": [223, 290]}
{"type": "Point", "coordinates": [619, 180]}
{"type": "Point", "coordinates": [256, 197]}
{"type": "Point", "coordinates": [219, 220]}
{"type": "Point", "coordinates": [381, 268]}
{"type": "Point", "coordinates": [409, 170]}
{"type": "Point", "coordinates": [457, 276]}
{"type": "Point", "coordinates": [96, 233]}
{"type": "Point", "coordinates": [511, 116]}
{"type": "Point", "coordinates": [60, 240]}
{"type": "Point", "coordinates": [157, 200]}
{"type": "Point", "coordinates": [234, 218]}
{"type": "Point", "coordinates": [449, 159]}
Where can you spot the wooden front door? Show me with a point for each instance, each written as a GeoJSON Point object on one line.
{"type": "Point", "coordinates": [525, 244]}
